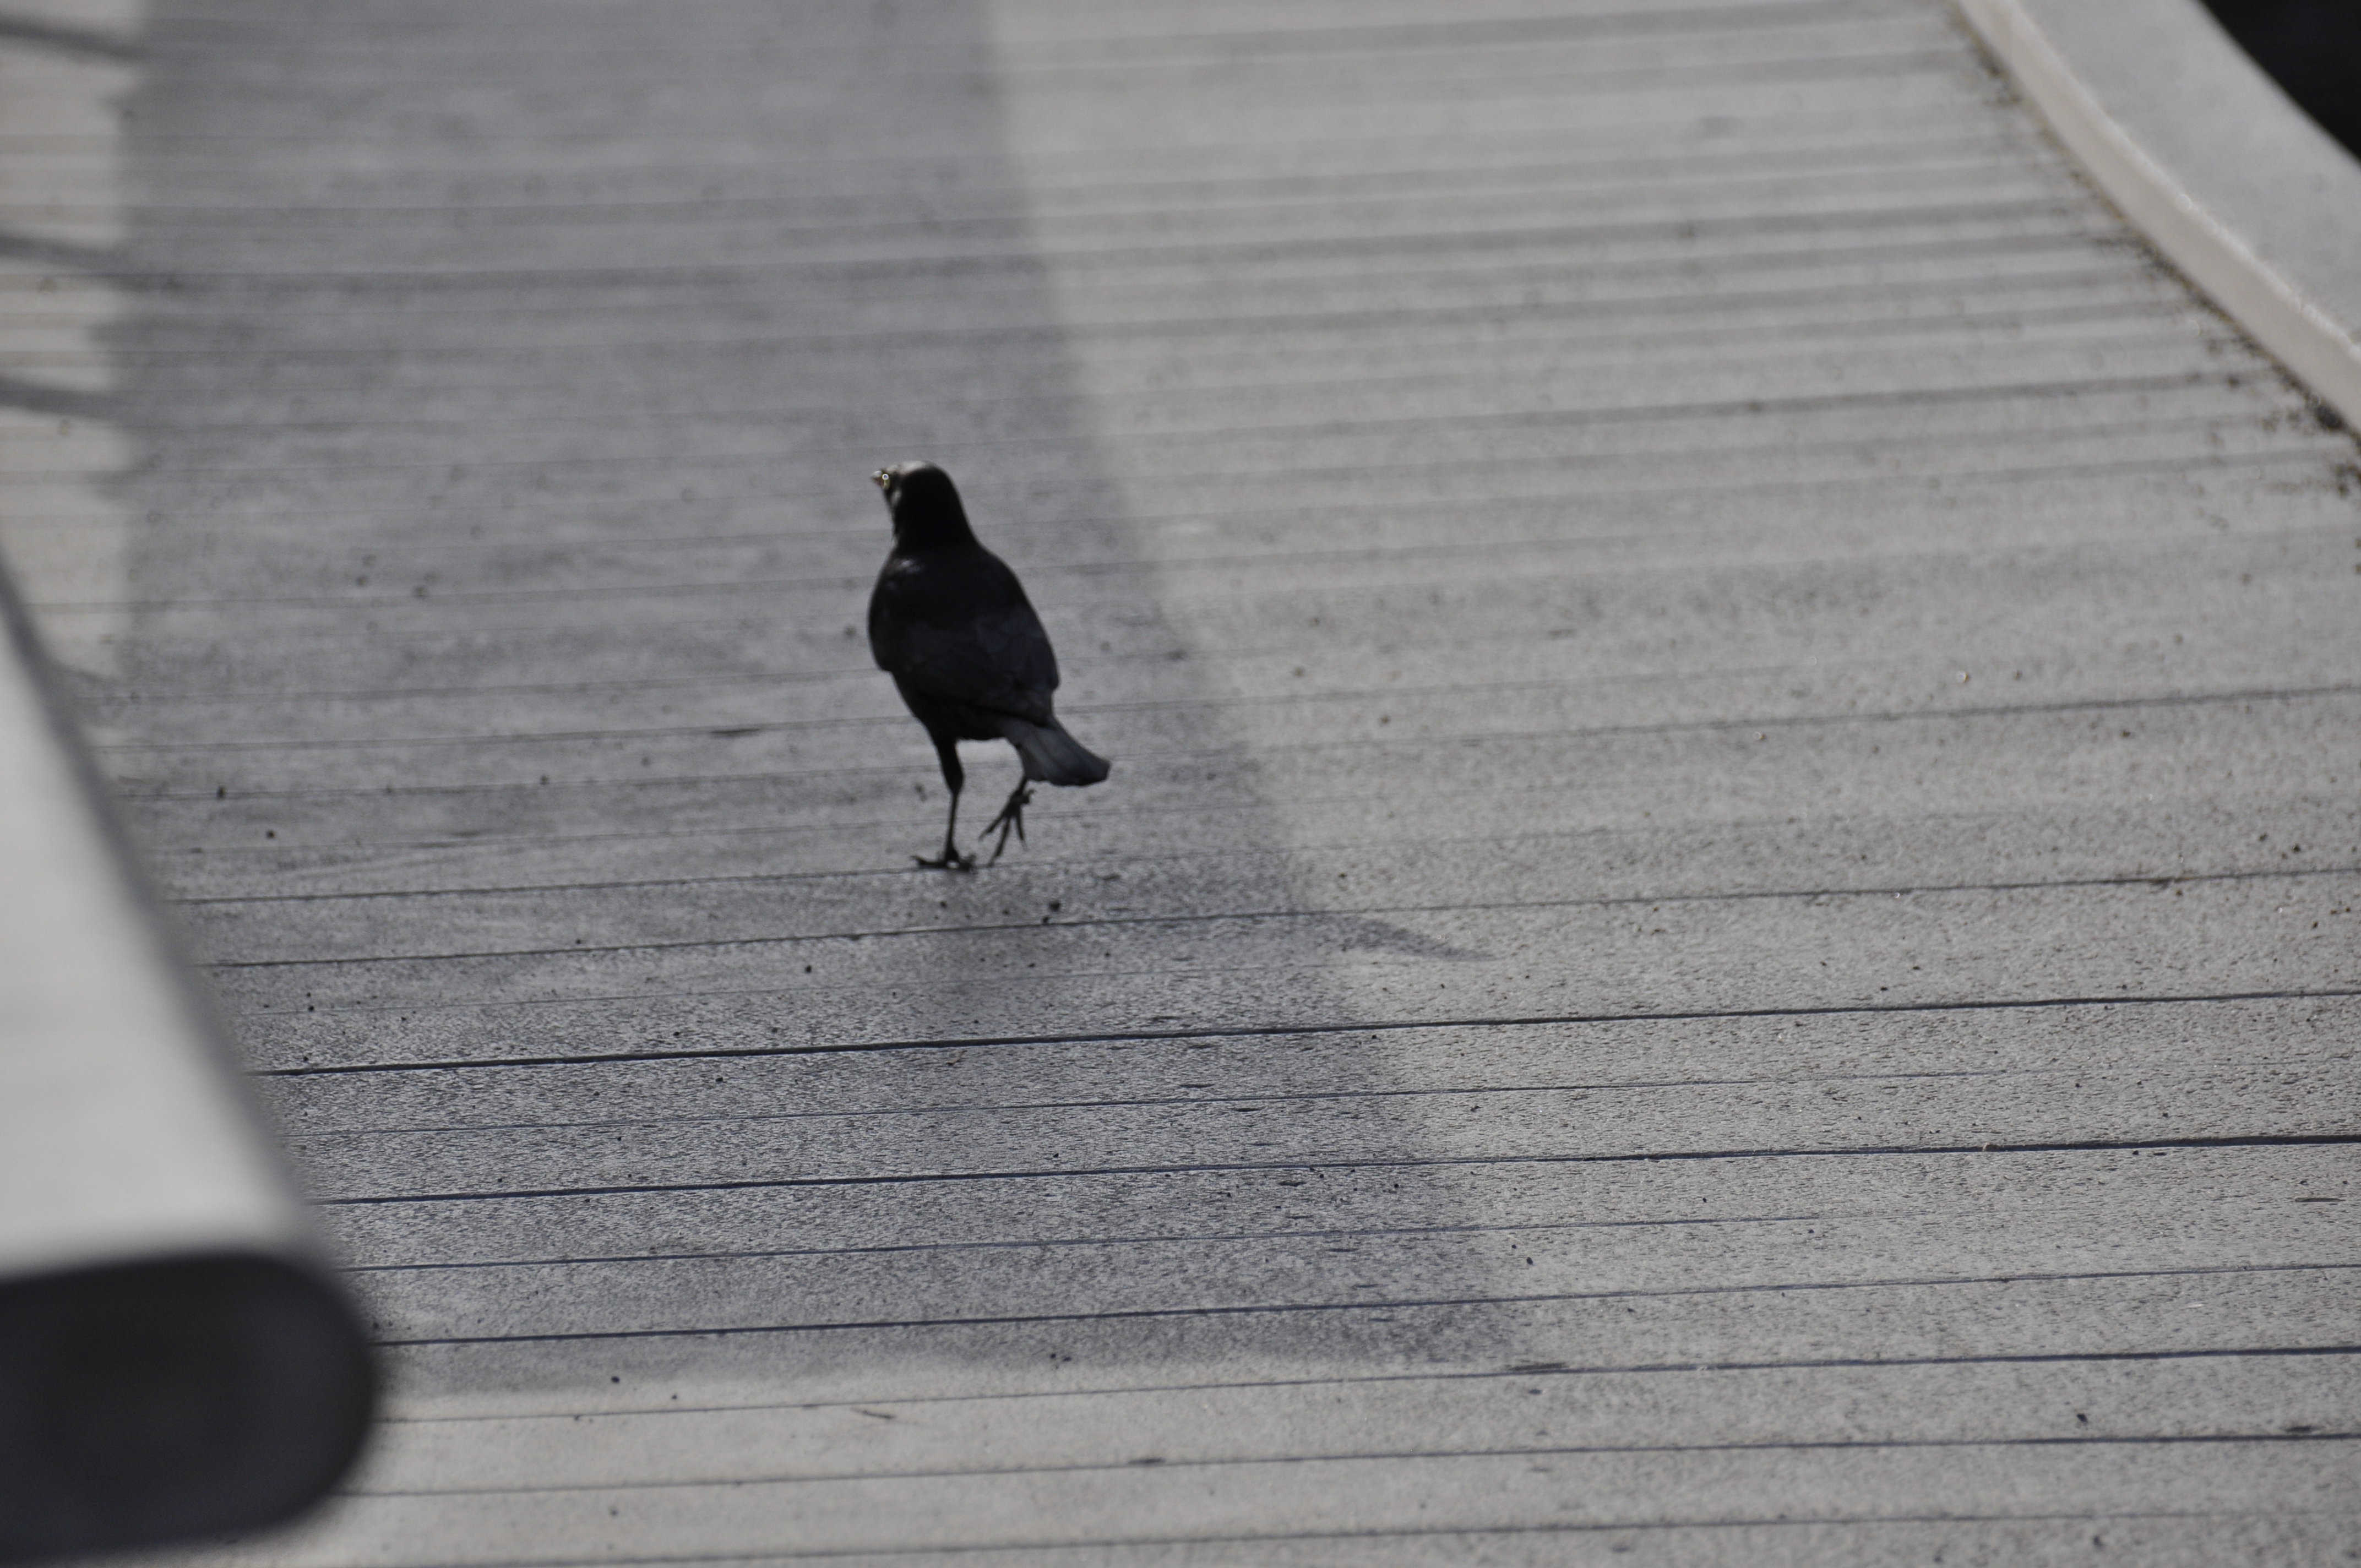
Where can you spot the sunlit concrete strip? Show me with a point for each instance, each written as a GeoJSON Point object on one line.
{"type": "Point", "coordinates": [66, 68]}
{"type": "Point", "coordinates": [2236, 184]}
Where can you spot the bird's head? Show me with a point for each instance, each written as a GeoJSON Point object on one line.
{"type": "Point", "coordinates": [926, 507]}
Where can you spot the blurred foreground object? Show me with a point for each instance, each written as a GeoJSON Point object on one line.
{"type": "Point", "coordinates": [175, 1359]}
{"type": "Point", "coordinates": [2310, 48]}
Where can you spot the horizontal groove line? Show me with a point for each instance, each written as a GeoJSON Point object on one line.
{"type": "Point", "coordinates": [1534, 1369]}
{"type": "Point", "coordinates": [1372, 1456]}
{"type": "Point", "coordinates": [1541, 150]}
{"type": "Point", "coordinates": [1360, 1234]}
{"type": "Point", "coordinates": [1382, 1163]}
{"type": "Point", "coordinates": [1931, 51]}
{"type": "Point", "coordinates": [186, 281]}
{"type": "Point", "coordinates": [1243, 916]}
{"type": "Point", "coordinates": [475, 157]}
{"type": "Point", "coordinates": [1280, 1031]}
{"type": "Point", "coordinates": [518, 844]}
{"type": "Point", "coordinates": [1079, 203]}
{"type": "Point", "coordinates": [462, 1266]}
{"type": "Point", "coordinates": [715, 729]}
{"type": "Point", "coordinates": [1260, 1099]}
{"type": "Point", "coordinates": [187, 36]}
{"type": "Point", "coordinates": [1020, 210]}
{"type": "Point", "coordinates": [638, 783]}
{"type": "Point", "coordinates": [183, 40]}
{"type": "Point", "coordinates": [1601, 901]}
{"type": "Point", "coordinates": [1041, 1548]}
{"type": "Point", "coordinates": [1400, 1304]}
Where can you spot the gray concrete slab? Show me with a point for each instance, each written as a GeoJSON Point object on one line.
{"type": "Point", "coordinates": [1734, 726]}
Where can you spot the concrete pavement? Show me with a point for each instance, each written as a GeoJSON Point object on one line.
{"type": "Point", "coordinates": [1723, 929]}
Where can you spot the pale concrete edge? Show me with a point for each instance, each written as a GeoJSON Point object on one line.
{"type": "Point", "coordinates": [286, 1231]}
{"type": "Point", "coordinates": [2299, 310]}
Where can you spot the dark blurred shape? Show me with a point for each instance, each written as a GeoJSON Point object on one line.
{"type": "Point", "coordinates": [176, 1358]}
{"type": "Point", "coordinates": [2312, 48]}
{"type": "Point", "coordinates": [152, 1401]}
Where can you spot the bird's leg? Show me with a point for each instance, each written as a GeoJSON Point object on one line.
{"type": "Point", "coordinates": [1012, 817]}
{"type": "Point", "coordinates": [952, 860]}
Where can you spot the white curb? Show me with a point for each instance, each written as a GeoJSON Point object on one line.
{"type": "Point", "coordinates": [2247, 194]}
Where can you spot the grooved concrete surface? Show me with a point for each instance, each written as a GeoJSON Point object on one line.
{"type": "Point", "coordinates": [1724, 931]}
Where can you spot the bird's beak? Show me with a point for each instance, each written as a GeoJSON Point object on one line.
{"type": "Point", "coordinates": [883, 479]}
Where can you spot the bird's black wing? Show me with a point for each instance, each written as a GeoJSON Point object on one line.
{"type": "Point", "coordinates": [992, 655]}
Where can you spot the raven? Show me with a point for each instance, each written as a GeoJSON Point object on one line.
{"type": "Point", "coordinates": [951, 623]}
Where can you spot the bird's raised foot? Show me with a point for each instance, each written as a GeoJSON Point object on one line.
{"type": "Point", "coordinates": [1011, 819]}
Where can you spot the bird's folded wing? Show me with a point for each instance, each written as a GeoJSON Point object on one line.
{"type": "Point", "coordinates": [999, 660]}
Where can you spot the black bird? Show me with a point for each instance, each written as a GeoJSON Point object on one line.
{"type": "Point", "coordinates": [951, 623]}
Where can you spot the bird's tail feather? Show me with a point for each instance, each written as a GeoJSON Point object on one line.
{"type": "Point", "coordinates": [1051, 755]}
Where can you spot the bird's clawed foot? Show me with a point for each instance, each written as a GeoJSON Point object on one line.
{"type": "Point", "coordinates": [1011, 819]}
{"type": "Point", "coordinates": [949, 860]}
